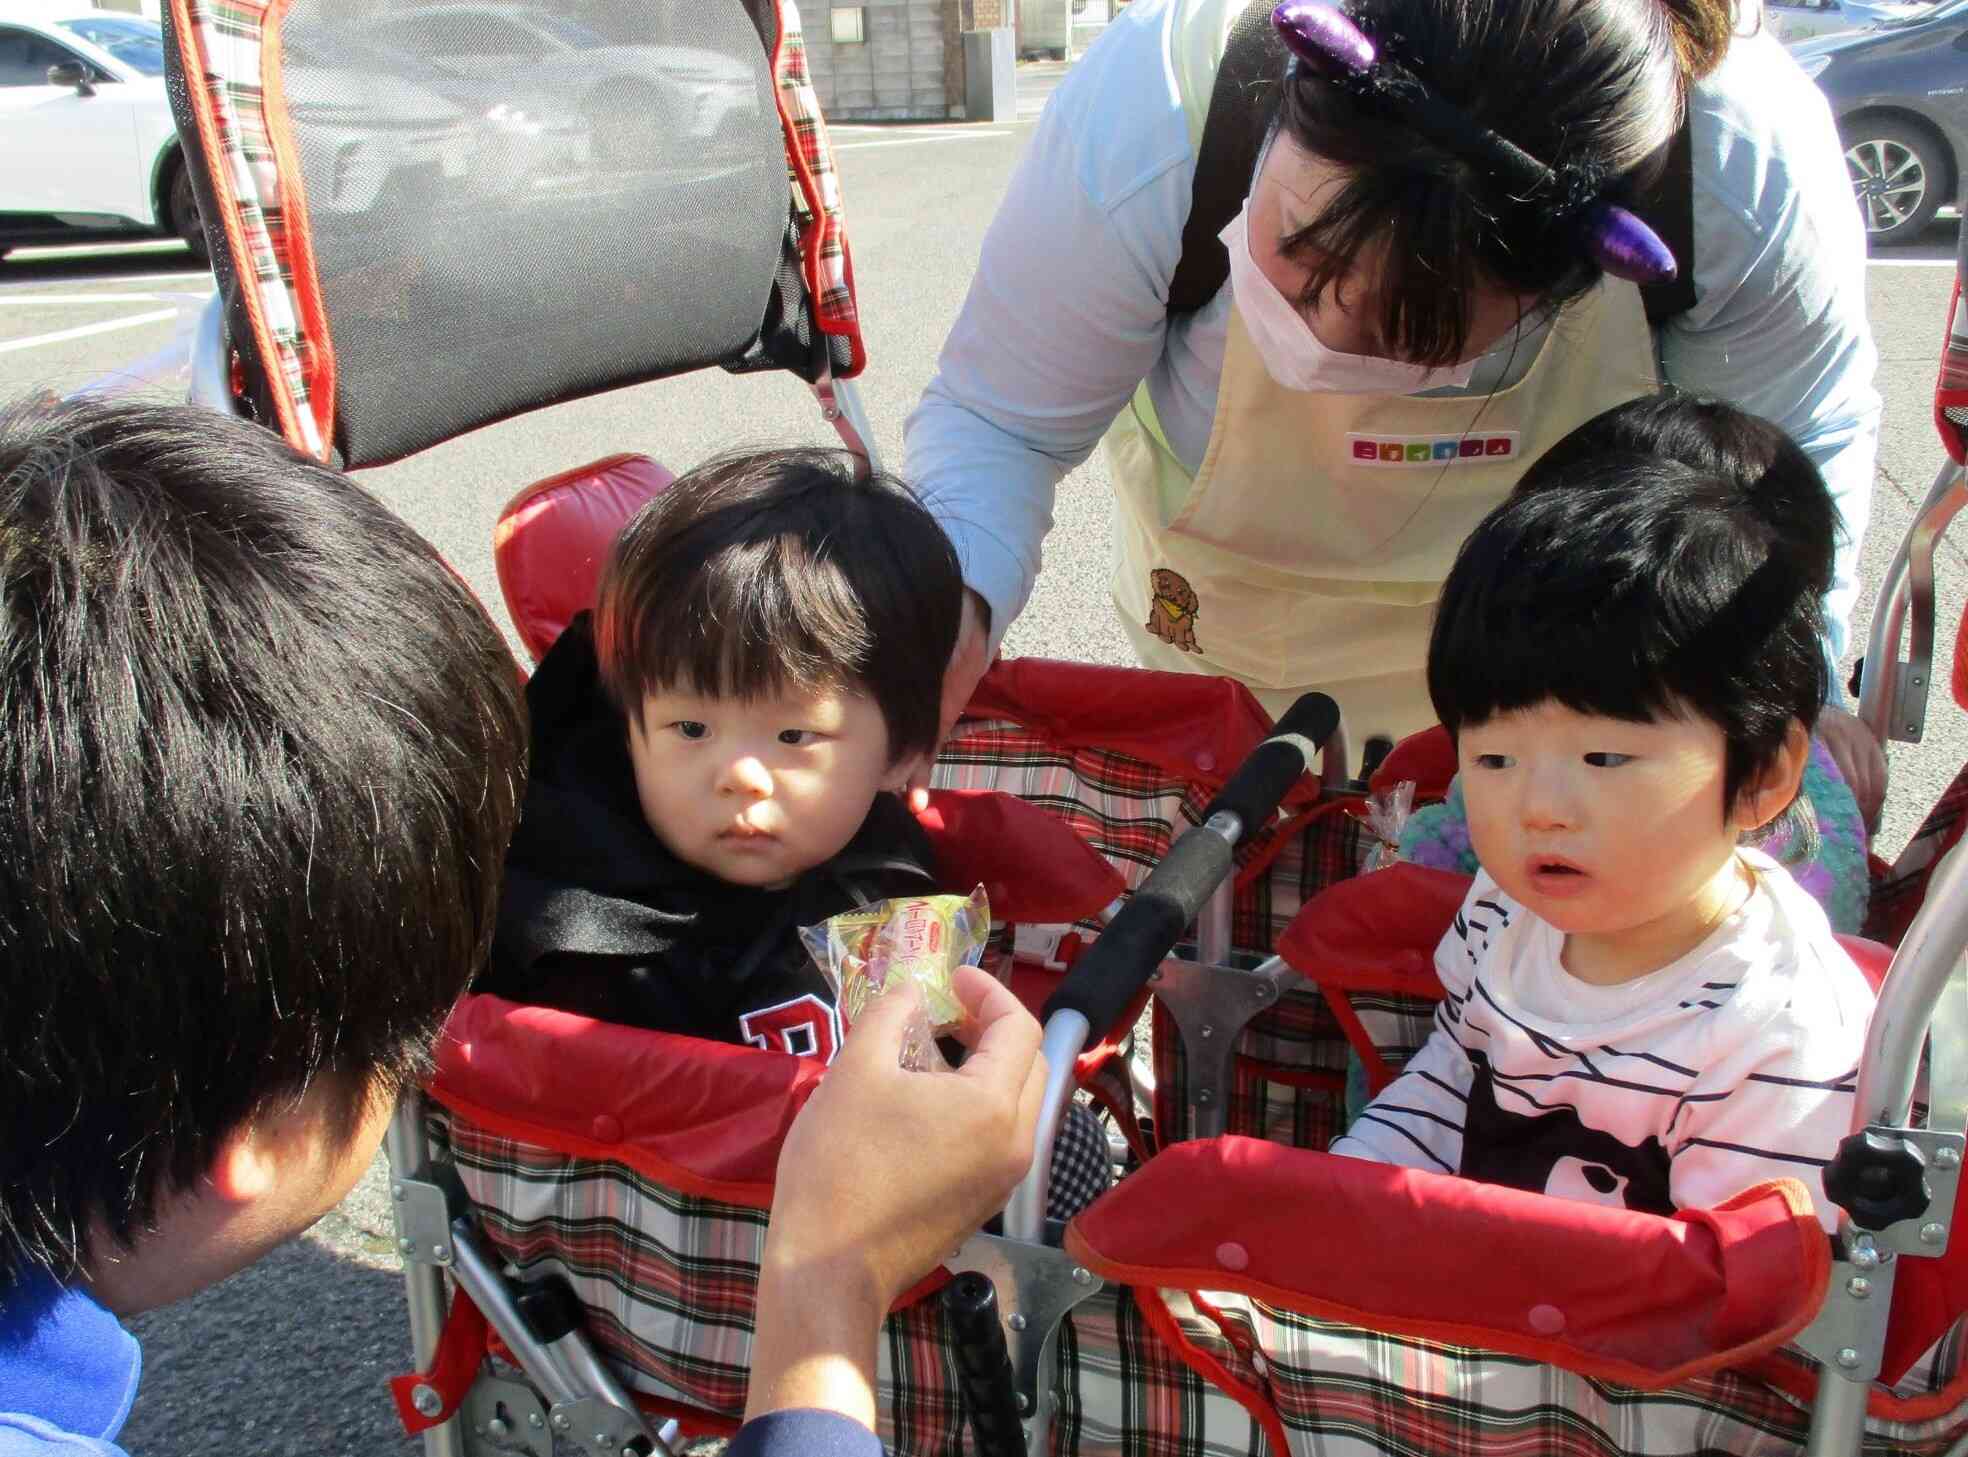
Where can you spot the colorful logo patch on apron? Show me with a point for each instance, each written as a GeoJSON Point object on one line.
{"type": "Point", "coordinates": [1172, 609]}
{"type": "Point", "coordinates": [1430, 450]}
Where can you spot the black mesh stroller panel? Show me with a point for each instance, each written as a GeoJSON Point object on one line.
{"type": "Point", "coordinates": [510, 205]}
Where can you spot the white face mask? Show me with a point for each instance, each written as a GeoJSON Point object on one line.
{"type": "Point", "coordinates": [1292, 353]}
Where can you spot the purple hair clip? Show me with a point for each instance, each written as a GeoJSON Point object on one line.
{"type": "Point", "coordinates": [1625, 246]}
{"type": "Point", "coordinates": [1323, 35]}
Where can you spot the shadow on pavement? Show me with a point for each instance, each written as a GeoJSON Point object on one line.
{"type": "Point", "coordinates": [105, 263]}
{"type": "Point", "coordinates": [1942, 237]}
{"type": "Point", "coordinates": [287, 1359]}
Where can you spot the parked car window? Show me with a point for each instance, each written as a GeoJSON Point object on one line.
{"type": "Point", "coordinates": [464, 34]}
{"type": "Point", "coordinates": [25, 57]}
{"type": "Point", "coordinates": [569, 31]}
{"type": "Point", "coordinates": [138, 44]}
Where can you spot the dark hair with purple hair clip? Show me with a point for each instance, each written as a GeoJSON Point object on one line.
{"type": "Point", "coordinates": [1325, 37]}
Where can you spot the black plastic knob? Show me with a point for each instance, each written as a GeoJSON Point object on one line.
{"type": "Point", "coordinates": [1878, 1179]}
{"type": "Point", "coordinates": [550, 1308]}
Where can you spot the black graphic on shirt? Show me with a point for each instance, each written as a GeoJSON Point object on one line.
{"type": "Point", "coordinates": [1552, 1152]}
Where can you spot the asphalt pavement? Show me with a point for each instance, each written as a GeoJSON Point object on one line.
{"type": "Point", "coordinates": [291, 1357]}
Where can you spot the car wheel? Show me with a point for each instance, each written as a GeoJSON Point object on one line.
{"type": "Point", "coordinates": [181, 208]}
{"type": "Point", "coordinates": [1899, 173]}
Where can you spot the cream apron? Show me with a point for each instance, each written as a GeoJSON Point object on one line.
{"type": "Point", "coordinates": [1308, 549]}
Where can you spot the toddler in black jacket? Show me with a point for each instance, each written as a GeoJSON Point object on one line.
{"type": "Point", "coordinates": [717, 754]}
{"type": "Point", "coordinates": [717, 749]}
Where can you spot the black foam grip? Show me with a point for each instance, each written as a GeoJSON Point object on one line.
{"type": "Point", "coordinates": [1107, 976]}
{"type": "Point", "coordinates": [970, 1305]}
{"type": "Point", "coordinates": [1275, 765]}
{"type": "Point", "coordinates": [549, 1307]}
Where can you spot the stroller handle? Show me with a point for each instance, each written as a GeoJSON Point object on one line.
{"type": "Point", "coordinates": [1106, 979]}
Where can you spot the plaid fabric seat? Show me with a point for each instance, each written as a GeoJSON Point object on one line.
{"type": "Point", "coordinates": [1898, 889]}
{"type": "Point", "coordinates": [667, 1279]}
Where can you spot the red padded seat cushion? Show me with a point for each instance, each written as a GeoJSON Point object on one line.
{"type": "Point", "coordinates": [553, 537]}
{"type": "Point", "coordinates": [1033, 865]}
{"type": "Point", "coordinates": [1200, 730]}
{"type": "Point", "coordinates": [703, 1117]}
{"type": "Point", "coordinates": [1376, 932]}
{"type": "Point", "coordinates": [1427, 758]}
{"type": "Point", "coordinates": [1635, 1298]}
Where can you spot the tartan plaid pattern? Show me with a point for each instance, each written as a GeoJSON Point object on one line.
{"type": "Point", "coordinates": [1131, 1394]}
{"type": "Point", "coordinates": [227, 36]}
{"type": "Point", "coordinates": [669, 1280]}
{"type": "Point", "coordinates": [816, 188]}
{"type": "Point", "coordinates": [1897, 892]}
{"type": "Point", "coordinates": [1345, 1392]}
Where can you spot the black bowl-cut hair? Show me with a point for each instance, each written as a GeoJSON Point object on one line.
{"type": "Point", "coordinates": [1669, 557]}
{"type": "Point", "coordinates": [260, 758]}
{"type": "Point", "coordinates": [773, 569]}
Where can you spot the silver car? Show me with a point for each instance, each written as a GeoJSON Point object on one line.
{"type": "Point", "coordinates": [1797, 20]}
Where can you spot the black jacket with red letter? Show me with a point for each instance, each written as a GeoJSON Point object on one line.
{"type": "Point", "coordinates": [598, 917]}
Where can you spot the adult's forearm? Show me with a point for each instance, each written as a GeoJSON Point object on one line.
{"type": "Point", "coordinates": [815, 1344]}
{"type": "Point", "coordinates": [991, 491]}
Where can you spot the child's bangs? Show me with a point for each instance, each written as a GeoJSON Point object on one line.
{"type": "Point", "coordinates": [764, 618]}
{"type": "Point", "coordinates": [1593, 657]}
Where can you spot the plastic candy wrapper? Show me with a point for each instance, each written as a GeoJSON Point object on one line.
{"type": "Point", "coordinates": [1385, 815]}
{"type": "Point", "coordinates": [917, 941]}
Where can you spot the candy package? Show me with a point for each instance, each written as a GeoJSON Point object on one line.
{"type": "Point", "coordinates": [1385, 815]}
{"type": "Point", "coordinates": [916, 941]}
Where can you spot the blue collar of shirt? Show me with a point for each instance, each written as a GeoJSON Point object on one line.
{"type": "Point", "coordinates": [65, 1359]}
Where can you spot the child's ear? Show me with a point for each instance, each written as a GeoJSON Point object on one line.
{"type": "Point", "coordinates": [1770, 794]}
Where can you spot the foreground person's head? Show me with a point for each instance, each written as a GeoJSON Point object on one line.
{"type": "Point", "coordinates": [261, 756]}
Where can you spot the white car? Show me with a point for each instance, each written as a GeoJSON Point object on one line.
{"type": "Point", "coordinates": [87, 143]}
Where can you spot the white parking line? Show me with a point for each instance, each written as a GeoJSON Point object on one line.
{"type": "Point", "coordinates": [31, 300]}
{"type": "Point", "coordinates": [8, 346]}
{"type": "Point", "coordinates": [860, 127]}
{"type": "Point", "coordinates": [1910, 262]}
{"type": "Point", "coordinates": [962, 136]}
{"type": "Point", "coordinates": [103, 248]}
{"type": "Point", "coordinates": [203, 275]}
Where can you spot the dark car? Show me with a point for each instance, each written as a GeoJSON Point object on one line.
{"type": "Point", "coordinates": [1900, 92]}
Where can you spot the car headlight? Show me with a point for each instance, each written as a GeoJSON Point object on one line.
{"type": "Point", "coordinates": [1813, 65]}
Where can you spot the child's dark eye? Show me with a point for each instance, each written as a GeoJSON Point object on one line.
{"type": "Point", "coordinates": [1494, 761]}
{"type": "Point", "coordinates": [796, 737]}
{"type": "Point", "coordinates": [689, 728]}
{"type": "Point", "coordinates": [1608, 760]}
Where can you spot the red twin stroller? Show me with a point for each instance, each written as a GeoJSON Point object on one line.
{"type": "Point", "coordinates": [581, 1207]}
